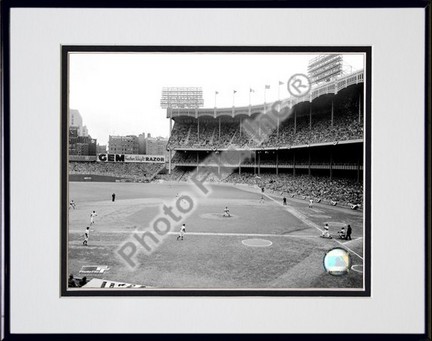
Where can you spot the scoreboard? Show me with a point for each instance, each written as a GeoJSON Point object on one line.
{"type": "Point", "coordinates": [182, 98]}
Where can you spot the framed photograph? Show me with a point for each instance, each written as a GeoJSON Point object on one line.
{"type": "Point", "coordinates": [219, 163]}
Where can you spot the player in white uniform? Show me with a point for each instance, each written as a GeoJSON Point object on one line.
{"type": "Point", "coordinates": [86, 236]}
{"type": "Point", "coordinates": [92, 217]}
{"type": "Point", "coordinates": [182, 232]}
{"type": "Point", "coordinates": [310, 203]}
{"type": "Point", "coordinates": [226, 212]}
{"type": "Point", "coordinates": [326, 233]}
{"type": "Point", "coordinates": [72, 204]}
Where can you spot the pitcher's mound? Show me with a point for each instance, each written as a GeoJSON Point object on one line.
{"type": "Point", "coordinates": [217, 216]}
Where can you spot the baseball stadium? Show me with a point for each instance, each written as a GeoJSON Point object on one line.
{"type": "Point", "coordinates": [283, 184]}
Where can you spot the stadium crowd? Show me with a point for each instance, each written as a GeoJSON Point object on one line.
{"type": "Point", "coordinates": [343, 191]}
{"type": "Point", "coordinates": [133, 171]}
{"type": "Point", "coordinates": [346, 126]}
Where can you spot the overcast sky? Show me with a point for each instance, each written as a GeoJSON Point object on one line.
{"type": "Point", "coordinates": [119, 93]}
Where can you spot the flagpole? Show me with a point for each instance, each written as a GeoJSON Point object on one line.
{"type": "Point", "coordinates": [279, 91]}
{"type": "Point", "coordinates": [279, 108]}
{"type": "Point", "coordinates": [215, 104]}
{"type": "Point", "coordinates": [234, 92]}
{"type": "Point", "coordinates": [250, 109]}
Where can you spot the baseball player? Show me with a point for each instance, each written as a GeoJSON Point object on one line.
{"type": "Point", "coordinates": [341, 233]}
{"type": "Point", "coordinates": [326, 233]}
{"type": "Point", "coordinates": [72, 204]}
{"type": "Point", "coordinates": [92, 217]}
{"type": "Point", "coordinates": [86, 236]}
{"type": "Point", "coordinates": [182, 232]}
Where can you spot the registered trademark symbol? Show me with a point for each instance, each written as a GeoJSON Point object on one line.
{"type": "Point", "coordinates": [299, 85]}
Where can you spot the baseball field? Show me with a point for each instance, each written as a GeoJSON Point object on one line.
{"type": "Point", "coordinates": [263, 244]}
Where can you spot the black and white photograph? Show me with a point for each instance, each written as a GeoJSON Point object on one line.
{"type": "Point", "coordinates": [215, 171]}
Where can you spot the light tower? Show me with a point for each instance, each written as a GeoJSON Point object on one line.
{"type": "Point", "coordinates": [180, 98]}
{"type": "Point", "coordinates": [325, 68]}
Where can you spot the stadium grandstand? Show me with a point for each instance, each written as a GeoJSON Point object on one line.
{"type": "Point", "coordinates": [88, 169]}
{"type": "Point", "coordinates": [315, 153]}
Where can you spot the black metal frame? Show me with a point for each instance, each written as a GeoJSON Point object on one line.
{"type": "Point", "coordinates": [6, 7]}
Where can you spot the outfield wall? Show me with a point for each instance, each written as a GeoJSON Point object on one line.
{"type": "Point", "coordinates": [96, 178]}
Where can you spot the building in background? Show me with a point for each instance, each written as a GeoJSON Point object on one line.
{"type": "Point", "coordinates": [142, 143]}
{"type": "Point", "coordinates": [80, 142]}
{"type": "Point", "coordinates": [73, 139]}
{"type": "Point", "coordinates": [156, 146]}
{"type": "Point", "coordinates": [86, 145]}
{"type": "Point", "coordinates": [84, 131]}
{"type": "Point", "coordinates": [123, 144]}
{"type": "Point", "coordinates": [75, 120]}
{"type": "Point", "coordinates": [101, 149]}
{"type": "Point", "coordinates": [81, 145]}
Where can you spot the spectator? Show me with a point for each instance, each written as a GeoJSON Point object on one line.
{"type": "Point", "coordinates": [83, 281]}
{"type": "Point", "coordinates": [71, 281]}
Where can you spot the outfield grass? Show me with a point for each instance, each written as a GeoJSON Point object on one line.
{"type": "Point", "coordinates": [212, 254]}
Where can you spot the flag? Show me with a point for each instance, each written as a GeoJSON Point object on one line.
{"type": "Point", "coordinates": [216, 92]}
{"type": "Point", "coordinates": [234, 91]}
{"type": "Point", "coordinates": [281, 83]}
{"type": "Point", "coordinates": [267, 87]}
{"type": "Point", "coordinates": [251, 90]}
